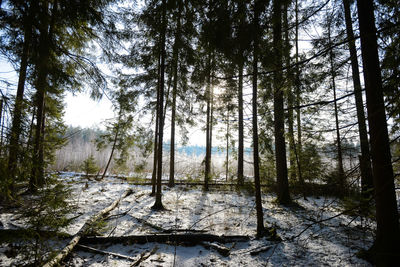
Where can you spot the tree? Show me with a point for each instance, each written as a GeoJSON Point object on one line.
{"type": "Point", "coordinates": [385, 250]}
{"type": "Point", "coordinates": [158, 202]}
{"type": "Point", "coordinates": [89, 165]}
{"type": "Point", "coordinates": [256, 32]}
{"type": "Point", "coordinates": [279, 130]}
{"type": "Point", "coordinates": [365, 158]}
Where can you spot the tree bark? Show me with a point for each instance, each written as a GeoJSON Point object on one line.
{"type": "Point", "coordinates": [279, 127]}
{"type": "Point", "coordinates": [365, 159]}
{"type": "Point", "coordinates": [387, 240]}
{"type": "Point", "coordinates": [158, 203]}
{"type": "Point", "coordinates": [260, 217]}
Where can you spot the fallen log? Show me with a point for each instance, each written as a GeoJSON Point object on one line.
{"type": "Point", "coordinates": [165, 238]}
{"type": "Point", "coordinates": [83, 231]}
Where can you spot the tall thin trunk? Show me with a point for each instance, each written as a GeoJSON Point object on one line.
{"type": "Point", "coordinates": [174, 92]}
{"type": "Point", "coordinates": [112, 151]}
{"type": "Point", "coordinates": [1, 124]}
{"type": "Point", "coordinates": [289, 94]}
{"type": "Point", "coordinates": [279, 127]}
{"type": "Point", "coordinates": [240, 168]}
{"type": "Point", "coordinates": [158, 203]}
{"type": "Point", "coordinates": [341, 178]}
{"type": "Point", "coordinates": [18, 107]}
{"type": "Point", "coordinates": [260, 216]}
{"type": "Point", "coordinates": [154, 174]}
{"type": "Point", "coordinates": [365, 158]}
{"type": "Point", "coordinates": [240, 180]}
{"type": "Point", "coordinates": [299, 147]}
{"type": "Point", "coordinates": [386, 245]}
{"type": "Point", "coordinates": [227, 148]}
{"type": "Point", "coordinates": [208, 127]}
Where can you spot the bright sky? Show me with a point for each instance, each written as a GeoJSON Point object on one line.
{"type": "Point", "coordinates": [81, 110]}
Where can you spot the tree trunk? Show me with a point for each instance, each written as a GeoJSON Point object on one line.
{"type": "Point", "coordinates": [388, 234]}
{"type": "Point", "coordinates": [46, 33]}
{"type": "Point", "coordinates": [279, 128]}
{"type": "Point", "coordinates": [41, 84]}
{"type": "Point", "coordinates": [208, 128]}
{"type": "Point", "coordinates": [299, 147]}
{"type": "Point", "coordinates": [112, 150]}
{"type": "Point", "coordinates": [289, 94]}
{"type": "Point", "coordinates": [240, 178]}
{"type": "Point", "coordinates": [18, 107]}
{"type": "Point", "coordinates": [174, 89]}
{"type": "Point", "coordinates": [260, 217]}
{"type": "Point", "coordinates": [227, 148]}
{"type": "Point", "coordinates": [365, 159]}
{"type": "Point", "coordinates": [341, 176]}
{"type": "Point", "coordinates": [163, 238]}
{"type": "Point", "coordinates": [154, 174]}
{"type": "Point", "coordinates": [158, 203]}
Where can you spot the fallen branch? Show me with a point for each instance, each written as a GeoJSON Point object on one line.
{"type": "Point", "coordinates": [144, 257]}
{"type": "Point", "coordinates": [82, 232]}
{"type": "Point", "coordinates": [260, 249]}
{"type": "Point", "coordinates": [166, 231]}
{"type": "Point", "coordinates": [224, 251]}
{"type": "Point", "coordinates": [165, 238]}
{"type": "Point", "coordinates": [98, 251]}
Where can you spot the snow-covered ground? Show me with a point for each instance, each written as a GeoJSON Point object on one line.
{"type": "Point", "coordinates": [333, 242]}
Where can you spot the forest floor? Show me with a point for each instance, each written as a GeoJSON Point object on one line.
{"type": "Point", "coordinates": [307, 238]}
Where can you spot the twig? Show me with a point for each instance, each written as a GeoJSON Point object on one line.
{"type": "Point", "coordinates": [144, 257]}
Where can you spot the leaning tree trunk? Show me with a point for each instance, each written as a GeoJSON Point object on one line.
{"type": "Point", "coordinates": [83, 231]}
{"type": "Point", "coordinates": [365, 158]}
{"type": "Point", "coordinates": [386, 246]}
{"type": "Point", "coordinates": [257, 185]}
{"type": "Point", "coordinates": [112, 151]}
{"type": "Point", "coordinates": [158, 203]}
{"type": "Point", "coordinates": [279, 128]}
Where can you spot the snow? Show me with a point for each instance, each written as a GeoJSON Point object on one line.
{"type": "Point", "coordinates": [333, 242]}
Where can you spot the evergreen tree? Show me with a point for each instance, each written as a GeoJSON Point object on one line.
{"type": "Point", "coordinates": [385, 250]}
